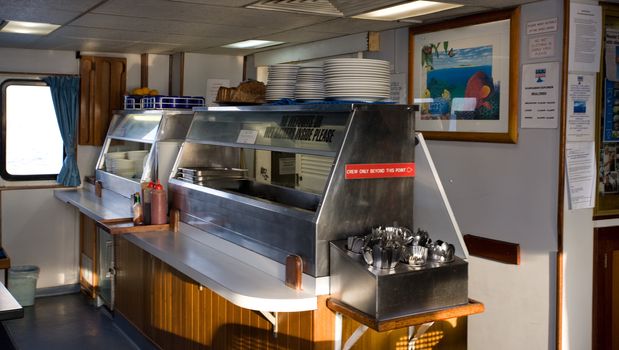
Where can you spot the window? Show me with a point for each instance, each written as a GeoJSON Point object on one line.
{"type": "Point", "coordinates": [32, 147]}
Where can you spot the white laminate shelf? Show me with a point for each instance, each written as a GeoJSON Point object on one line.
{"type": "Point", "coordinates": [109, 206]}
{"type": "Point", "coordinates": [229, 276]}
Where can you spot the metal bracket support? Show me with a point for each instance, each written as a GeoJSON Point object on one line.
{"type": "Point", "coordinates": [413, 335]}
{"type": "Point", "coordinates": [352, 340]}
{"type": "Point", "coordinates": [273, 319]}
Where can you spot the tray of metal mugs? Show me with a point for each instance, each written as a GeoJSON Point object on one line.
{"type": "Point", "coordinates": [200, 175]}
{"type": "Point", "coordinates": [386, 247]}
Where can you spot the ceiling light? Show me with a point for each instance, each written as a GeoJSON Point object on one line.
{"type": "Point", "coordinates": [252, 44]}
{"type": "Point", "coordinates": [406, 10]}
{"type": "Point", "coordinates": [28, 27]}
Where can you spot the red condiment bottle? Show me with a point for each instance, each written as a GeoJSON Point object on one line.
{"type": "Point", "coordinates": [146, 192]}
{"type": "Point", "coordinates": [158, 205]}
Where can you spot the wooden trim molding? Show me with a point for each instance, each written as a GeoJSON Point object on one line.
{"type": "Point", "coordinates": [561, 181]}
{"type": "Point", "coordinates": [492, 249]}
{"type": "Point", "coordinates": [473, 307]}
{"type": "Point", "coordinates": [144, 70]}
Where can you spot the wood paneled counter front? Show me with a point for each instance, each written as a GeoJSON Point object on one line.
{"type": "Point", "coordinates": [174, 309]}
{"type": "Point", "coordinates": [176, 312]}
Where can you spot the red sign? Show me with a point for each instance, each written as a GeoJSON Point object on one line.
{"type": "Point", "coordinates": [379, 170]}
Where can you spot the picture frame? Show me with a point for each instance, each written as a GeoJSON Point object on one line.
{"type": "Point", "coordinates": [464, 75]}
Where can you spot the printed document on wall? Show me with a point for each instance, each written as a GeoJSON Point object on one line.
{"type": "Point", "coordinates": [585, 37]}
{"type": "Point", "coordinates": [580, 166]}
{"type": "Point", "coordinates": [612, 53]}
{"type": "Point", "coordinates": [580, 107]}
{"type": "Point", "coordinates": [539, 97]}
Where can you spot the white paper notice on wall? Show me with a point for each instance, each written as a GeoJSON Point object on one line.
{"type": "Point", "coordinates": [398, 90]}
{"type": "Point", "coordinates": [580, 168]}
{"type": "Point", "coordinates": [212, 86]}
{"type": "Point", "coordinates": [540, 97]}
{"type": "Point", "coordinates": [585, 37]}
{"type": "Point", "coordinates": [612, 53]}
{"type": "Point", "coordinates": [542, 26]}
{"type": "Point", "coordinates": [542, 46]}
{"type": "Point", "coordinates": [247, 137]}
{"type": "Point", "coordinates": [580, 107]}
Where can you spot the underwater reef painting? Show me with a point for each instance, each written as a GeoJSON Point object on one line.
{"type": "Point", "coordinates": [460, 83]}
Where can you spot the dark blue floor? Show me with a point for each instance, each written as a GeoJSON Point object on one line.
{"type": "Point", "coordinates": [66, 322]}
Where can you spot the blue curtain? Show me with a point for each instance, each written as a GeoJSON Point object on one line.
{"type": "Point", "coordinates": [65, 94]}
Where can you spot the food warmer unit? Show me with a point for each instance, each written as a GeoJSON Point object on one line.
{"type": "Point", "coordinates": [300, 179]}
{"type": "Point", "coordinates": [141, 145]}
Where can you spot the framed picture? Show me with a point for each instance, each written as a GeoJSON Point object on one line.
{"type": "Point", "coordinates": [463, 74]}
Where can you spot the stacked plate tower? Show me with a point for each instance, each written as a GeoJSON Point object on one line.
{"type": "Point", "coordinates": [281, 81]}
{"type": "Point", "coordinates": [357, 79]}
{"type": "Point", "coordinates": [310, 84]}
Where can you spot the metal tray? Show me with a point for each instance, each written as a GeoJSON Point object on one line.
{"type": "Point", "coordinates": [210, 171]}
{"type": "Point", "coordinates": [194, 178]}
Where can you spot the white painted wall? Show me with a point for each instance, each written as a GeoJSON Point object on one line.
{"type": "Point", "coordinates": [36, 228]}
{"type": "Point", "coordinates": [158, 77]}
{"type": "Point", "coordinates": [200, 67]}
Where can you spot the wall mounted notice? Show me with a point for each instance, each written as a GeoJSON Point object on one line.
{"type": "Point", "coordinates": [379, 170]}
{"type": "Point", "coordinates": [247, 136]}
{"type": "Point", "coordinates": [585, 37]}
{"type": "Point", "coordinates": [542, 26]}
{"type": "Point", "coordinates": [612, 53]}
{"type": "Point", "coordinates": [580, 166]}
{"type": "Point", "coordinates": [580, 107]}
{"type": "Point", "coordinates": [540, 98]}
{"type": "Point", "coordinates": [542, 46]}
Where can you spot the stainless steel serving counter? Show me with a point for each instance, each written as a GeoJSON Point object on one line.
{"type": "Point", "coordinates": [245, 278]}
{"type": "Point", "coordinates": [235, 273]}
{"type": "Point", "coordinates": [109, 206]}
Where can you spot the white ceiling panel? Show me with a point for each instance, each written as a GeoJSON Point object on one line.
{"type": "Point", "coordinates": [492, 4]}
{"type": "Point", "coordinates": [77, 44]}
{"type": "Point", "coordinates": [159, 9]}
{"type": "Point", "coordinates": [114, 34]}
{"type": "Point", "coordinates": [16, 40]}
{"type": "Point", "coordinates": [351, 26]}
{"type": "Point", "coordinates": [162, 26]}
{"type": "Point", "coordinates": [299, 36]}
{"type": "Point", "coordinates": [66, 5]}
{"type": "Point", "coordinates": [36, 14]}
{"type": "Point", "coordinates": [440, 16]}
{"type": "Point", "coordinates": [228, 3]}
{"type": "Point", "coordinates": [167, 26]}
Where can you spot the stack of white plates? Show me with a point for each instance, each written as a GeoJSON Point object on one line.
{"type": "Point", "coordinates": [109, 157]}
{"type": "Point", "coordinates": [123, 167]}
{"type": "Point", "coordinates": [310, 84]}
{"type": "Point", "coordinates": [281, 82]}
{"type": "Point", "coordinates": [138, 158]}
{"type": "Point", "coordinates": [357, 79]}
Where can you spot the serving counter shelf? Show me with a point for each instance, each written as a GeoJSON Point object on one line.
{"type": "Point", "coordinates": [109, 206]}
{"type": "Point", "coordinates": [238, 275]}
{"type": "Point", "coordinates": [422, 320]}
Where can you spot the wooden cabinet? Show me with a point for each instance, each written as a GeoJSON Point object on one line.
{"type": "Point", "coordinates": [177, 313]}
{"type": "Point", "coordinates": [96, 253]}
{"type": "Point", "coordinates": [88, 255]}
{"type": "Point", "coordinates": [102, 86]}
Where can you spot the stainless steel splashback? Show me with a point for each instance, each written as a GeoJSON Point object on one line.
{"type": "Point", "coordinates": [274, 217]}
